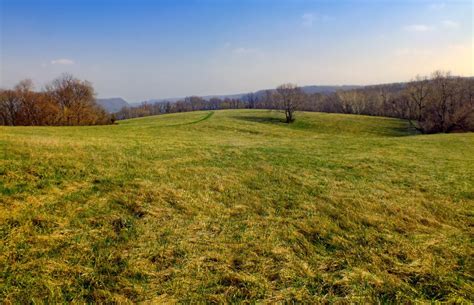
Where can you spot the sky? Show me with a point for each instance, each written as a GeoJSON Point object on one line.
{"type": "Point", "coordinates": [145, 49]}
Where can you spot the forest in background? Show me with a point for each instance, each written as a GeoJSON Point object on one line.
{"type": "Point", "coordinates": [439, 103]}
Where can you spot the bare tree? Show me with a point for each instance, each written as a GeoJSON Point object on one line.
{"type": "Point", "coordinates": [348, 101]}
{"type": "Point", "coordinates": [9, 107]}
{"type": "Point", "coordinates": [214, 103]}
{"type": "Point", "coordinates": [76, 100]}
{"type": "Point", "coordinates": [29, 101]}
{"type": "Point", "coordinates": [289, 98]}
{"type": "Point", "coordinates": [266, 101]}
{"type": "Point", "coordinates": [251, 100]}
{"type": "Point", "coordinates": [417, 93]}
{"type": "Point", "coordinates": [451, 105]}
{"type": "Point", "coordinates": [440, 104]}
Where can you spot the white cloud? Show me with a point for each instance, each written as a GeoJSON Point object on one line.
{"type": "Point", "coordinates": [62, 61]}
{"type": "Point", "coordinates": [308, 19]}
{"type": "Point", "coordinates": [450, 24]}
{"type": "Point", "coordinates": [418, 28]}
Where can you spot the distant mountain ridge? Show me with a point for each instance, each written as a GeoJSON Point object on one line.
{"type": "Point", "coordinates": [113, 104]}
{"type": "Point", "coordinates": [259, 93]}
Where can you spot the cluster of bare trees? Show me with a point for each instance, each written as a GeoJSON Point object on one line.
{"type": "Point", "coordinates": [65, 101]}
{"type": "Point", "coordinates": [439, 103]}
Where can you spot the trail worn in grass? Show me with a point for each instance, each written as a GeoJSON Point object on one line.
{"type": "Point", "coordinates": [240, 207]}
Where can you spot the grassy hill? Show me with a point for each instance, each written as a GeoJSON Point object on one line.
{"type": "Point", "coordinates": [236, 206]}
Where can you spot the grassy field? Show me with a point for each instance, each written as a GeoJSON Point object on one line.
{"type": "Point", "coordinates": [232, 206]}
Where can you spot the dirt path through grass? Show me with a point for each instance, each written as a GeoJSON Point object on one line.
{"type": "Point", "coordinates": [206, 117]}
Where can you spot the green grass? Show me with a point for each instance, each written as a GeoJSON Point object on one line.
{"type": "Point", "coordinates": [232, 206]}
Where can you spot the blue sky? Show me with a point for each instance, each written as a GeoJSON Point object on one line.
{"type": "Point", "coordinates": [155, 49]}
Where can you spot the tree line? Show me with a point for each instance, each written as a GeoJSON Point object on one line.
{"type": "Point", "coordinates": [438, 103]}
{"type": "Point", "coordinates": [65, 101]}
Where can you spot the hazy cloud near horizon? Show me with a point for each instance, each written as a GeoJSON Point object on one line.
{"type": "Point", "coordinates": [141, 49]}
{"type": "Point", "coordinates": [62, 61]}
{"type": "Point", "coordinates": [419, 28]}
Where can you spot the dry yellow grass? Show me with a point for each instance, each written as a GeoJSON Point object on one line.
{"type": "Point", "coordinates": [235, 206]}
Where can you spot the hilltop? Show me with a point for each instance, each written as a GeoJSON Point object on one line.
{"type": "Point", "coordinates": [260, 93]}
{"type": "Point", "coordinates": [113, 104]}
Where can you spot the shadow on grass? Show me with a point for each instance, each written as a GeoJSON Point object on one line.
{"type": "Point", "coordinates": [401, 131]}
{"type": "Point", "coordinates": [260, 119]}
{"type": "Point", "coordinates": [382, 130]}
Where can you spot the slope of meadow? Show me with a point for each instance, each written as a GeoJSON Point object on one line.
{"type": "Point", "coordinates": [236, 206]}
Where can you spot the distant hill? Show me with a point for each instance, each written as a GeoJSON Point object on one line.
{"type": "Point", "coordinates": [113, 104]}
{"type": "Point", "coordinates": [306, 89]}
{"type": "Point", "coordinates": [327, 89]}
{"type": "Point", "coordinates": [260, 93]}
{"type": "Point", "coordinates": [317, 89]}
